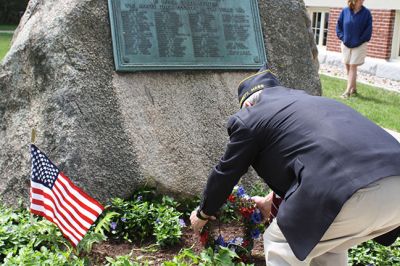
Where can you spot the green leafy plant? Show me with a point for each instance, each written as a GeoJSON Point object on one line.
{"type": "Point", "coordinates": [44, 233]}
{"type": "Point", "coordinates": [224, 256]}
{"type": "Point", "coordinates": [259, 188]}
{"type": "Point", "coordinates": [32, 240]}
{"type": "Point", "coordinates": [122, 261]}
{"type": "Point", "coordinates": [134, 221]}
{"type": "Point", "coordinates": [144, 216]}
{"type": "Point", "coordinates": [87, 242]}
{"type": "Point", "coordinates": [167, 228]}
{"type": "Point", "coordinates": [371, 253]}
{"type": "Point", "coordinates": [104, 221]}
{"type": "Point", "coordinates": [44, 257]}
{"type": "Point", "coordinates": [186, 206]}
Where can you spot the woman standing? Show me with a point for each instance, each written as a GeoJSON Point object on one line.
{"type": "Point", "coordinates": [354, 29]}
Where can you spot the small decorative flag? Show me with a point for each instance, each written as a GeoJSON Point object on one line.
{"type": "Point", "coordinates": [276, 201]}
{"type": "Point", "coordinates": [56, 198]}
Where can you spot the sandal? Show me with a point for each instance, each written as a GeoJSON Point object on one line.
{"type": "Point", "coordinates": [345, 95]}
{"type": "Point", "coordinates": [353, 93]}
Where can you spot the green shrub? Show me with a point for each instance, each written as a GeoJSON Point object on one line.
{"type": "Point", "coordinates": [372, 253]}
{"type": "Point", "coordinates": [32, 240]}
{"type": "Point", "coordinates": [122, 261]}
{"type": "Point", "coordinates": [44, 256]}
{"type": "Point", "coordinates": [19, 229]}
{"type": "Point", "coordinates": [167, 228]}
{"type": "Point", "coordinates": [142, 217]}
{"type": "Point", "coordinates": [134, 221]}
{"type": "Point", "coordinates": [222, 257]}
{"type": "Point", "coordinates": [259, 188]}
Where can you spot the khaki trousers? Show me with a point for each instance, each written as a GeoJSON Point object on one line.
{"type": "Point", "coordinates": [370, 212]}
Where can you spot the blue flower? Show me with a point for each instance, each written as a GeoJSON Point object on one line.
{"type": "Point", "coordinates": [139, 198]}
{"type": "Point", "coordinates": [240, 192]}
{"type": "Point", "coordinates": [113, 225]}
{"type": "Point", "coordinates": [256, 217]}
{"type": "Point", "coordinates": [220, 241]}
{"type": "Point", "coordinates": [123, 219]}
{"type": "Point", "coordinates": [182, 223]}
{"type": "Point", "coordinates": [237, 241]}
{"type": "Point", "coordinates": [255, 233]}
{"type": "Point", "coordinates": [158, 221]}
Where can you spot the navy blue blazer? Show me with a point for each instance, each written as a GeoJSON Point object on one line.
{"type": "Point", "coordinates": [313, 151]}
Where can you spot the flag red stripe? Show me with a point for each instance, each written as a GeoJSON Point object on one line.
{"type": "Point", "coordinates": [77, 213]}
{"type": "Point", "coordinates": [60, 217]}
{"type": "Point", "coordinates": [75, 216]}
{"type": "Point", "coordinates": [57, 211]}
{"type": "Point", "coordinates": [43, 214]}
{"type": "Point", "coordinates": [40, 213]}
{"type": "Point", "coordinates": [84, 194]}
{"type": "Point", "coordinates": [56, 222]}
{"type": "Point", "coordinates": [74, 197]}
{"type": "Point", "coordinates": [81, 208]}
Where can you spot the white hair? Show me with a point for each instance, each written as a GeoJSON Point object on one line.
{"type": "Point", "coordinates": [252, 100]}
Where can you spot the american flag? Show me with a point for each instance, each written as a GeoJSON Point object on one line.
{"type": "Point", "coordinates": [56, 198]}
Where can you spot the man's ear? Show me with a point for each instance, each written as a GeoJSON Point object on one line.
{"type": "Point", "coordinates": [247, 104]}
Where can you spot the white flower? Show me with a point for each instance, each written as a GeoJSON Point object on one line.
{"type": "Point", "coordinates": [238, 241]}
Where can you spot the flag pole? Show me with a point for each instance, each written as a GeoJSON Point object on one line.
{"type": "Point", "coordinates": [33, 136]}
{"type": "Point", "coordinates": [33, 139]}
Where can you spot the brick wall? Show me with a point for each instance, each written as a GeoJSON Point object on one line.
{"type": "Point", "coordinates": [332, 42]}
{"type": "Point", "coordinates": [382, 32]}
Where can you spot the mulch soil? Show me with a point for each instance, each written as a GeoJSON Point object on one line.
{"type": "Point", "coordinates": [157, 256]}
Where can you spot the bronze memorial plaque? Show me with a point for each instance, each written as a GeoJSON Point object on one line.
{"type": "Point", "coordinates": [186, 34]}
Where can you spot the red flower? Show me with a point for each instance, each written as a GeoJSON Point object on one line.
{"type": "Point", "coordinates": [244, 258]}
{"type": "Point", "coordinates": [246, 212]}
{"type": "Point", "coordinates": [245, 243]}
{"type": "Point", "coordinates": [231, 198]}
{"type": "Point", "coordinates": [204, 238]}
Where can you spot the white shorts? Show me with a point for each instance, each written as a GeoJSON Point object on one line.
{"type": "Point", "coordinates": [354, 56]}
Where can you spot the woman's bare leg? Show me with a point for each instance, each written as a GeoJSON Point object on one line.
{"type": "Point", "coordinates": [352, 79]}
{"type": "Point", "coordinates": [347, 92]}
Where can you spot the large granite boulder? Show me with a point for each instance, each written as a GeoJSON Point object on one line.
{"type": "Point", "coordinates": [111, 132]}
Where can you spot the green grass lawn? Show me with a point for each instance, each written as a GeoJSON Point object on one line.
{"type": "Point", "coordinates": [380, 106]}
{"type": "Point", "coordinates": [5, 39]}
{"type": "Point", "coordinates": [8, 27]}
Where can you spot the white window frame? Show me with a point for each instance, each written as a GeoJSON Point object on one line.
{"type": "Point", "coordinates": [323, 11]}
{"type": "Point", "coordinates": [396, 37]}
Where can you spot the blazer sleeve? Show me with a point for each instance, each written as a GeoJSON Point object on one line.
{"type": "Point", "coordinates": [238, 156]}
{"type": "Point", "coordinates": [339, 27]}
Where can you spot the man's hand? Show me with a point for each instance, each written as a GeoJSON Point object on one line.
{"type": "Point", "coordinates": [197, 223]}
{"type": "Point", "coordinates": [264, 204]}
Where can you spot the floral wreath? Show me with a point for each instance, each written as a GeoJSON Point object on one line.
{"type": "Point", "coordinates": [251, 222]}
